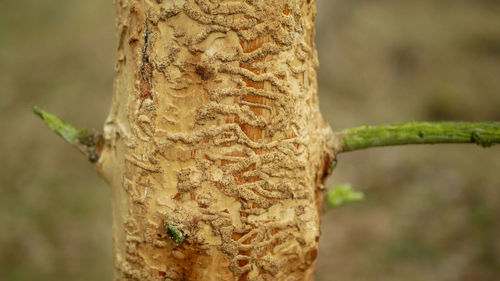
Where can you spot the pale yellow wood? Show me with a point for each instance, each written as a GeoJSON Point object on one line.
{"type": "Point", "coordinates": [215, 128]}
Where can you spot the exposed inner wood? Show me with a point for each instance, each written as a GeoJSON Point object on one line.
{"type": "Point", "coordinates": [215, 128]}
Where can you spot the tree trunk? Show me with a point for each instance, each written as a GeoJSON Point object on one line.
{"type": "Point", "coordinates": [215, 136]}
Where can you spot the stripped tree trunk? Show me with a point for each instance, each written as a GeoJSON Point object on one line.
{"type": "Point", "coordinates": [215, 132]}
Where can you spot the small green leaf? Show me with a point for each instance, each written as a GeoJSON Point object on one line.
{"type": "Point", "coordinates": [63, 129]}
{"type": "Point", "coordinates": [343, 194]}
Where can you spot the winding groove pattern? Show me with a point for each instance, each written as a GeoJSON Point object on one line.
{"type": "Point", "coordinates": [223, 138]}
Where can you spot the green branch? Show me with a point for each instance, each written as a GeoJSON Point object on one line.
{"type": "Point", "coordinates": [63, 129]}
{"type": "Point", "coordinates": [88, 144]}
{"type": "Point", "coordinates": [484, 134]}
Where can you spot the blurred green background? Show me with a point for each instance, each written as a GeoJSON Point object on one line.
{"type": "Point", "coordinates": [430, 213]}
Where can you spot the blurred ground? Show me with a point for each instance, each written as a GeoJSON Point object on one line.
{"type": "Point", "coordinates": [431, 213]}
